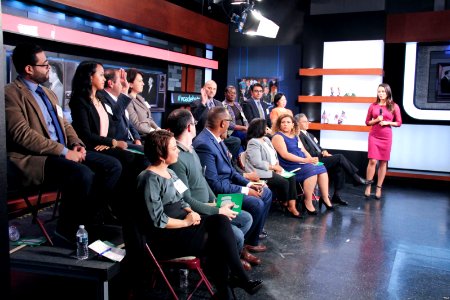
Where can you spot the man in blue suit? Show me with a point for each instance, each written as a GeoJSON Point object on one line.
{"type": "Point", "coordinates": [115, 94]}
{"type": "Point", "coordinates": [224, 179]}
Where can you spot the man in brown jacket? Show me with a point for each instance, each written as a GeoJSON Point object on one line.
{"type": "Point", "coordinates": [46, 149]}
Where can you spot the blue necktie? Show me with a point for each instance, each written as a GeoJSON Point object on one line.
{"type": "Point", "coordinates": [224, 149]}
{"type": "Point", "coordinates": [52, 113]}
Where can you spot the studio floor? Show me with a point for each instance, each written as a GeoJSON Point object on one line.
{"type": "Point", "coordinates": [394, 248]}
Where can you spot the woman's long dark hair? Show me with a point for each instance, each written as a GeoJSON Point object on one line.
{"type": "Point", "coordinates": [277, 98]}
{"type": "Point", "coordinates": [81, 82]}
{"type": "Point", "coordinates": [389, 101]}
{"type": "Point", "coordinates": [256, 129]}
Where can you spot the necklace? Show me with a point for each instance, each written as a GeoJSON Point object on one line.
{"type": "Point", "coordinates": [95, 101]}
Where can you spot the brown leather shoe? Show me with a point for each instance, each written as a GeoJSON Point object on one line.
{"type": "Point", "coordinates": [259, 248]}
{"type": "Point", "coordinates": [246, 265]}
{"type": "Point", "coordinates": [250, 257]}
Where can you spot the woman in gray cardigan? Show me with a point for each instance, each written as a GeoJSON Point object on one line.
{"type": "Point", "coordinates": [139, 109]}
{"type": "Point", "coordinates": [261, 157]}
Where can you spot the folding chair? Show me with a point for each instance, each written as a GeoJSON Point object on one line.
{"type": "Point", "coordinates": [16, 190]}
{"type": "Point", "coordinates": [188, 262]}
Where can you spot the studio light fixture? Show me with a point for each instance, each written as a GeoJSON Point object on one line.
{"type": "Point", "coordinates": [252, 22]}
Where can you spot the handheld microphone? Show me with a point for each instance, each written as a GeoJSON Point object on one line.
{"type": "Point", "coordinates": [381, 111]}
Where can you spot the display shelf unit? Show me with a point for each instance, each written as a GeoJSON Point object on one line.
{"type": "Point", "coordinates": [339, 127]}
{"type": "Point", "coordinates": [320, 72]}
{"type": "Point", "coordinates": [337, 99]}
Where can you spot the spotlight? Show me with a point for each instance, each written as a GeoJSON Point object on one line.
{"type": "Point", "coordinates": [257, 24]}
{"type": "Point", "coordinates": [238, 2]}
{"type": "Point", "coordinates": [251, 21]}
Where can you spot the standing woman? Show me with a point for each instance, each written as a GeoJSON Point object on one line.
{"type": "Point", "coordinates": [139, 109]}
{"type": "Point", "coordinates": [381, 116]}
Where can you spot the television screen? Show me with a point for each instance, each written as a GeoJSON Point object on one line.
{"type": "Point", "coordinates": [177, 98]}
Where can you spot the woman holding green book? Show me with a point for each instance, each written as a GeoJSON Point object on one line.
{"type": "Point", "coordinates": [175, 230]}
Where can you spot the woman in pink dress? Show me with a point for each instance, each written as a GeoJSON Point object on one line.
{"type": "Point", "coordinates": [382, 115]}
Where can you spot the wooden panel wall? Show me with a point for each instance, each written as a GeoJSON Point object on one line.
{"type": "Point", "coordinates": [159, 15]}
{"type": "Point", "coordinates": [418, 27]}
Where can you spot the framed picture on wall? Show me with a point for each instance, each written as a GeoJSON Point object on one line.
{"type": "Point", "coordinates": [155, 90]}
{"type": "Point", "coordinates": [269, 84]}
{"type": "Point", "coordinates": [443, 80]}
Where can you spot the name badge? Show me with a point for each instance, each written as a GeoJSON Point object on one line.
{"type": "Point", "coordinates": [315, 140]}
{"type": "Point", "coordinates": [108, 109]}
{"type": "Point", "coordinates": [146, 104]}
{"type": "Point", "coordinates": [59, 111]}
{"type": "Point", "coordinates": [180, 186]}
{"type": "Point", "coordinates": [299, 145]}
{"type": "Point", "coordinates": [267, 111]}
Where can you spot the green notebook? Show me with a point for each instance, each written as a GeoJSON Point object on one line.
{"type": "Point", "coordinates": [237, 199]}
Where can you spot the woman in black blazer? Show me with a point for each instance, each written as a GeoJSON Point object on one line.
{"type": "Point", "coordinates": [94, 123]}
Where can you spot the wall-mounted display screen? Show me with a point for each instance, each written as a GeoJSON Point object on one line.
{"type": "Point", "coordinates": [183, 98]}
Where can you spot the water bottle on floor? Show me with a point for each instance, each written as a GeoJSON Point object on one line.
{"type": "Point", "coordinates": [14, 234]}
{"type": "Point", "coordinates": [184, 280]}
{"type": "Point", "coordinates": [82, 243]}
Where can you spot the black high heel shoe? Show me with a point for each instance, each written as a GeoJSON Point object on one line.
{"type": "Point", "coordinates": [309, 212]}
{"type": "Point", "coordinates": [250, 286]}
{"type": "Point", "coordinates": [321, 201]}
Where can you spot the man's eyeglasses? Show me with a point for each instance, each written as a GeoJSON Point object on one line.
{"type": "Point", "coordinates": [48, 66]}
{"type": "Point", "coordinates": [194, 123]}
{"type": "Point", "coordinates": [229, 120]}
{"type": "Point", "coordinates": [258, 91]}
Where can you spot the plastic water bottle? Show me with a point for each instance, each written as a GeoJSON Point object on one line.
{"type": "Point", "coordinates": [14, 234]}
{"type": "Point", "coordinates": [184, 280]}
{"type": "Point", "coordinates": [82, 243]}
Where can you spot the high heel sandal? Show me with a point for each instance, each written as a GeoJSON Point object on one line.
{"type": "Point", "coordinates": [321, 201]}
{"type": "Point", "coordinates": [367, 195]}
{"type": "Point", "coordinates": [376, 196]}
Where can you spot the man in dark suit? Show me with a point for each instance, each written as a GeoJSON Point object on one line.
{"type": "Point", "coordinates": [115, 95]}
{"type": "Point", "coordinates": [152, 91]}
{"type": "Point", "coordinates": [445, 82]}
{"type": "Point", "coordinates": [46, 149]}
{"type": "Point", "coordinates": [256, 108]}
{"type": "Point", "coordinates": [200, 108]}
{"type": "Point", "coordinates": [337, 165]}
{"type": "Point", "coordinates": [224, 179]}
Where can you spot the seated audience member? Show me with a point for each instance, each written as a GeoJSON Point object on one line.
{"type": "Point", "coordinates": [224, 179]}
{"type": "Point", "coordinates": [261, 157]}
{"type": "Point", "coordinates": [239, 123]}
{"type": "Point", "coordinates": [292, 155]}
{"type": "Point", "coordinates": [199, 195]}
{"type": "Point", "coordinates": [279, 102]}
{"type": "Point", "coordinates": [95, 122]}
{"type": "Point", "coordinates": [46, 149]}
{"type": "Point", "coordinates": [336, 164]}
{"type": "Point", "coordinates": [200, 108]}
{"type": "Point", "coordinates": [139, 109]}
{"type": "Point", "coordinates": [255, 108]}
{"type": "Point", "coordinates": [174, 229]}
{"type": "Point", "coordinates": [115, 94]}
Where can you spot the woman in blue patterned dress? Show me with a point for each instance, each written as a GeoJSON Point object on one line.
{"type": "Point", "coordinates": [293, 155]}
